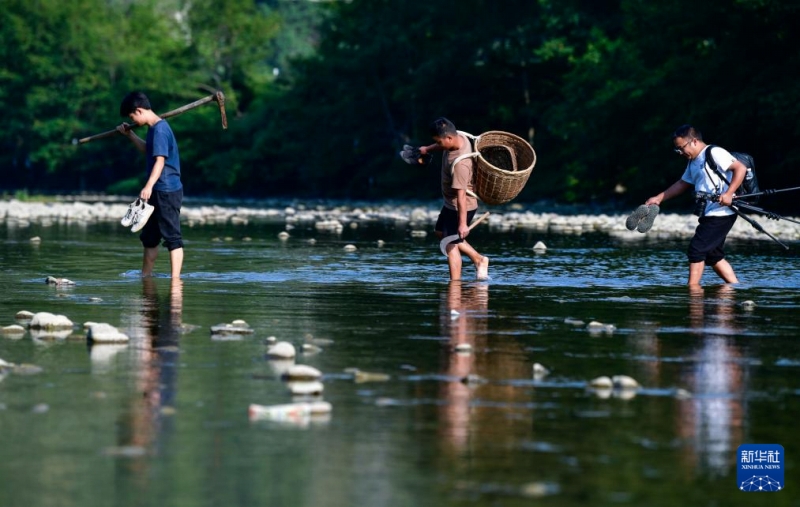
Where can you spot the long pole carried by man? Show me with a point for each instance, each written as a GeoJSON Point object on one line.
{"type": "Point", "coordinates": [217, 97]}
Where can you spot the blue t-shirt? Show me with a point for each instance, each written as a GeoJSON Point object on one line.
{"type": "Point", "coordinates": [161, 143]}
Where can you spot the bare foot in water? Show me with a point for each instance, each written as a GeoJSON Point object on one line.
{"type": "Point", "coordinates": [483, 269]}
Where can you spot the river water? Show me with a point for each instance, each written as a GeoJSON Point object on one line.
{"type": "Point", "coordinates": [164, 419]}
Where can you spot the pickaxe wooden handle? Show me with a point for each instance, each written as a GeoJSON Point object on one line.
{"type": "Point", "coordinates": [217, 97]}
{"type": "Point", "coordinates": [449, 239]}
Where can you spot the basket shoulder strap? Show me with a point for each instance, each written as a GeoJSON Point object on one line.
{"type": "Point", "coordinates": [453, 169]}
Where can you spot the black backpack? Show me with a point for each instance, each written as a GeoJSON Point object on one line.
{"type": "Point", "coordinates": [750, 183]}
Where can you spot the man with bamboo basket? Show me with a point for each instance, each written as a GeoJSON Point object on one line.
{"type": "Point", "coordinates": [459, 206]}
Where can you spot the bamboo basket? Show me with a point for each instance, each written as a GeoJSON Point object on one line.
{"type": "Point", "coordinates": [503, 164]}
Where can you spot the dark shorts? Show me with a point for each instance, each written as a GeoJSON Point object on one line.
{"type": "Point", "coordinates": [165, 222]}
{"type": "Point", "coordinates": [709, 237]}
{"type": "Point", "coordinates": [447, 223]}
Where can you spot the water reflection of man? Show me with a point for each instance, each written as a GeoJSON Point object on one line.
{"type": "Point", "coordinates": [713, 417]}
{"type": "Point", "coordinates": [148, 423]}
{"type": "Point", "coordinates": [464, 319]}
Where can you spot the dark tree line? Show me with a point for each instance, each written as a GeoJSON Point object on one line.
{"type": "Point", "coordinates": [323, 95]}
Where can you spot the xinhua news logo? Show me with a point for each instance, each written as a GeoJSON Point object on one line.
{"type": "Point", "coordinates": [759, 468]}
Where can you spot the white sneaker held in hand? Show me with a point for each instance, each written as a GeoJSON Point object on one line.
{"type": "Point", "coordinates": [142, 215]}
{"type": "Point", "coordinates": [127, 220]}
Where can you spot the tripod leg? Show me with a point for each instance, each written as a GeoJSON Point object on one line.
{"type": "Point", "coordinates": [757, 225]}
{"type": "Point", "coordinates": [762, 211]}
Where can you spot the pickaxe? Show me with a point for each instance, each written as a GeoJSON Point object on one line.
{"type": "Point", "coordinates": [453, 237]}
{"type": "Point", "coordinates": [217, 97]}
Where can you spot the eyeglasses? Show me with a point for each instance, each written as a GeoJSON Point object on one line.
{"type": "Point", "coordinates": [680, 149]}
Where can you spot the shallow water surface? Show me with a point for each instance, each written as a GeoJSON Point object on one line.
{"type": "Point", "coordinates": [164, 419]}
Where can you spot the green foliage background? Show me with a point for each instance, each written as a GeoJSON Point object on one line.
{"type": "Point", "coordinates": [322, 95]}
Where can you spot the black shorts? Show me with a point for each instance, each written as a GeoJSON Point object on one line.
{"type": "Point", "coordinates": [447, 223]}
{"type": "Point", "coordinates": [709, 237]}
{"type": "Point", "coordinates": [165, 222]}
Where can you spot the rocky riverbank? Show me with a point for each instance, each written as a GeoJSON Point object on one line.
{"type": "Point", "coordinates": [415, 217]}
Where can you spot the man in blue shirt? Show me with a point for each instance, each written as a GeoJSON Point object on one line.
{"type": "Point", "coordinates": [163, 190]}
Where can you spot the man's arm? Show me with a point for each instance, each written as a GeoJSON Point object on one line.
{"type": "Point", "coordinates": [424, 150]}
{"type": "Point", "coordinates": [461, 204]}
{"type": "Point", "coordinates": [158, 167]}
{"type": "Point", "coordinates": [739, 172]}
{"type": "Point", "coordinates": [676, 188]}
{"type": "Point", "coordinates": [137, 141]}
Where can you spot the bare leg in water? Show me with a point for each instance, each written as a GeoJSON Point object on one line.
{"type": "Point", "coordinates": [454, 251]}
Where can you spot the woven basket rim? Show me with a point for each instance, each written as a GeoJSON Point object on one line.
{"type": "Point", "coordinates": [504, 171]}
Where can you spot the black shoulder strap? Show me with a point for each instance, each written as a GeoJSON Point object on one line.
{"type": "Point", "coordinates": [710, 162]}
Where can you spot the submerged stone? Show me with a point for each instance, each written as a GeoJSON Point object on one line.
{"type": "Point", "coordinates": [105, 333]}
{"type": "Point", "coordinates": [290, 412]}
{"type": "Point", "coordinates": [51, 280]}
{"type": "Point", "coordinates": [40, 408]}
{"type": "Point", "coordinates": [26, 369]}
{"type": "Point", "coordinates": [232, 328]}
{"type": "Point", "coordinates": [302, 372]}
{"type": "Point", "coordinates": [473, 380]}
{"type": "Point", "coordinates": [23, 316]}
{"type": "Point", "coordinates": [602, 382]}
{"type": "Point", "coordinates": [305, 387]}
{"type": "Point", "coordinates": [125, 451]}
{"type": "Point", "coordinates": [463, 347]}
{"type": "Point", "coordinates": [624, 382]}
{"type": "Point", "coordinates": [364, 376]}
{"type": "Point", "coordinates": [320, 342]}
{"type": "Point", "coordinates": [13, 330]}
{"type": "Point", "coordinates": [624, 394]}
{"type": "Point", "coordinates": [329, 226]}
{"type": "Point", "coordinates": [595, 327]}
{"type": "Point", "coordinates": [539, 371]}
{"type": "Point", "coordinates": [310, 349]}
{"type": "Point", "coordinates": [282, 350]}
{"type": "Point", "coordinates": [49, 321]}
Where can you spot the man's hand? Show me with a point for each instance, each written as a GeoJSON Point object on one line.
{"type": "Point", "coordinates": [124, 129]}
{"type": "Point", "coordinates": [415, 156]}
{"type": "Point", "coordinates": [726, 199]}
{"type": "Point", "coordinates": [146, 193]}
{"type": "Point", "coordinates": [463, 231]}
{"type": "Point", "coordinates": [655, 200]}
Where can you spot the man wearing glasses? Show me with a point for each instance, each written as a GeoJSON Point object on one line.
{"type": "Point", "coordinates": [716, 217]}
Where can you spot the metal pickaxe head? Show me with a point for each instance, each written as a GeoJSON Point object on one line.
{"type": "Point", "coordinates": [220, 98]}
